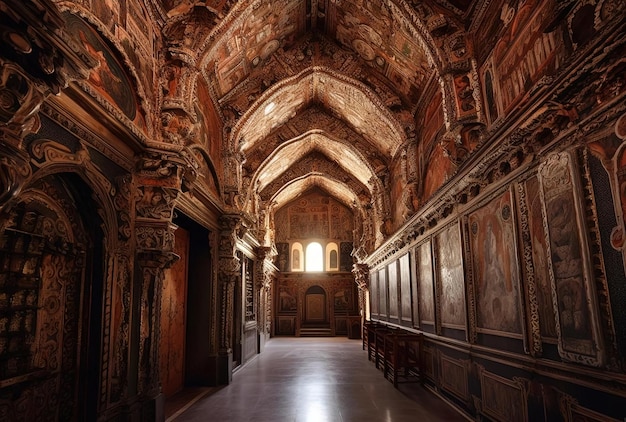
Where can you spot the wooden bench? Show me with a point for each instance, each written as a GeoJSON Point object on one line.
{"type": "Point", "coordinates": [402, 357]}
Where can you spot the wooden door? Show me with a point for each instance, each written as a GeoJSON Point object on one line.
{"type": "Point", "coordinates": [173, 318]}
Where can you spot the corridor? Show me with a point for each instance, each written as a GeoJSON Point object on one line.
{"type": "Point", "coordinates": [313, 380]}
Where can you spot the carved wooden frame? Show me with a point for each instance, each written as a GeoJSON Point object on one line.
{"type": "Point", "coordinates": [558, 176]}
{"type": "Point", "coordinates": [461, 389]}
{"type": "Point", "coordinates": [487, 403]}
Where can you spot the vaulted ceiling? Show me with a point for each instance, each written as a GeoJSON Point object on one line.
{"type": "Point", "coordinates": [318, 93]}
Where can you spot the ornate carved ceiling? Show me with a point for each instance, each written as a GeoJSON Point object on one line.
{"type": "Point", "coordinates": [317, 93]}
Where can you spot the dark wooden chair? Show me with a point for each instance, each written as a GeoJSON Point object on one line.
{"type": "Point", "coordinates": [403, 357]}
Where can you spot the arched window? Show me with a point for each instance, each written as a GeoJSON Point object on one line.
{"type": "Point", "coordinates": [314, 257]}
{"type": "Point", "coordinates": [296, 257]}
{"type": "Point", "coordinates": [332, 257]}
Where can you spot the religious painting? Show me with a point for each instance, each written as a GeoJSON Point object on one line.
{"type": "Point", "coordinates": [343, 300]}
{"type": "Point", "coordinates": [503, 399]}
{"type": "Point", "coordinates": [539, 260]}
{"type": "Point", "coordinates": [525, 53]}
{"type": "Point", "coordinates": [425, 283]}
{"type": "Point", "coordinates": [287, 297]}
{"type": "Point", "coordinates": [392, 278]}
{"type": "Point", "coordinates": [108, 76]}
{"type": "Point", "coordinates": [374, 294]}
{"type": "Point", "coordinates": [450, 278]}
{"type": "Point", "coordinates": [405, 288]}
{"type": "Point", "coordinates": [464, 91]}
{"type": "Point", "coordinates": [496, 280]}
{"type": "Point", "coordinates": [573, 292]}
{"type": "Point", "coordinates": [232, 70]}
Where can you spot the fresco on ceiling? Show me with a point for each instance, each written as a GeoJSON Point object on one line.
{"type": "Point", "coordinates": [496, 273]}
{"type": "Point", "coordinates": [259, 36]}
{"type": "Point", "coordinates": [364, 28]}
{"type": "Point", "coordinates": [108, 77]}
{"type": "Point", "coordinates": [450, 277]}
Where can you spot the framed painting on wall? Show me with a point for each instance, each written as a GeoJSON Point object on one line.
{"type": "Point", "coordinates": [450, 278]}
{"type": "Point", "coordinates": [374, 295]}
{"type": "Point", "coordinates": [495, 264]}
{"type": "Point", "coordinates": [405, 289]}
{"type": "Point", "coordinates": [287, 297]}
{"type": "Point", "coordinates": [573, 291]}
{"type": "Point", "coordinates": [424, 259]}
{"type": "Point", "coordinates": [392, 280]}
{"type": "Point", "coordinates": [382, 293]}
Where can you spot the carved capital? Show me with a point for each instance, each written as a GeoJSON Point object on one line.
{"type": "Point", "coordinates": [361, 276]}
{"type": "Point", "coordinates": [155, 240]}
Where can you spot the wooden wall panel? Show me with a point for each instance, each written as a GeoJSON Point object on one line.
{"type": "Point", "coordinates": [173, 318]}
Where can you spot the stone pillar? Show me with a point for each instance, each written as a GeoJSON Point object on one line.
{"type": "Point", "coordinates": [229, 273]}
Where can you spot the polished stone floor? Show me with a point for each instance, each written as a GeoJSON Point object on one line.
{"type": "Point", "coordinates": [313, 380]}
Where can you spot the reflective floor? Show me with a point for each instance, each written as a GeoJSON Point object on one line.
{"type": "Point", "coordinates": [315, 380]}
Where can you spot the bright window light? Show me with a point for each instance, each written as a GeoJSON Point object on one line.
{"type": "Point", "coordinates": [314, 257]}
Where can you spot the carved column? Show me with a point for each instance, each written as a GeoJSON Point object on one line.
{"type": "Point", "coordinates": [266, 273]}
{"type": "Point", "coordinates": [159, 179]}
{"type": "Point", "coordinates": [37, 58]}
{"type": "Point", "coordinates": [229, 273]}
{"type": "Point", "coordinates": [361, 278]}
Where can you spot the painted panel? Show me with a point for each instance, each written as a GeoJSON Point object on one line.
{"type": "Point", "coordinates": [374, 295]}
{"type": "Point", "coordinates": [392, 274]}
{"type": "Point", "coordinates": [496, 269]}
{"type": "Point", "coordinates": [572, 291]}
{"type": "Point", "coordinates": [108, 77]}
{"type": "Point", "coordinates": [382, 289]}
{"type": "Point", "coordinates": [287, 297]}
{"type": "Point", "coordinates": [450, 278]}
{"type": "Point", "coordinates": [405, 288]}
{"type": "Point", "coordinates": [425, 283]}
